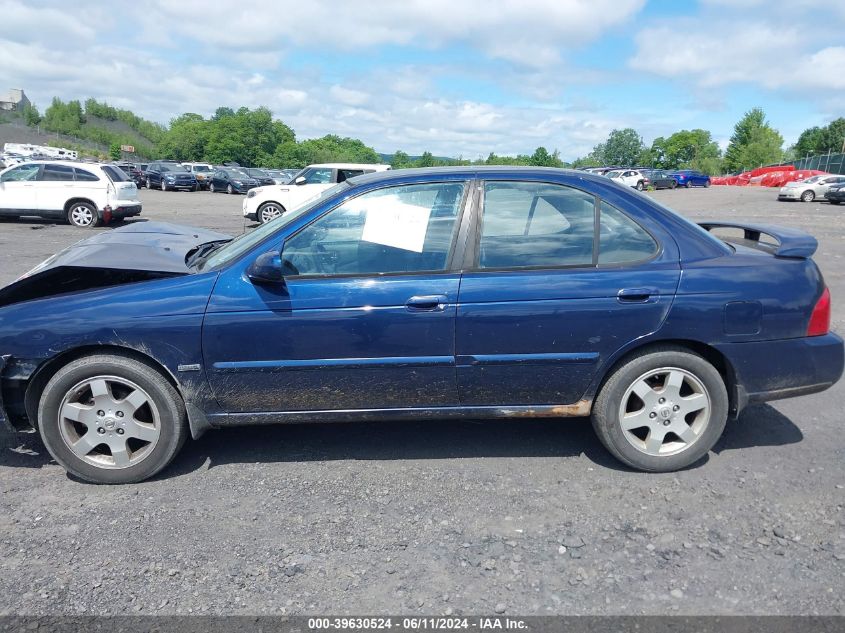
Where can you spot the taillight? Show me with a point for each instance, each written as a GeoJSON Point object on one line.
{"type": "Point", "coordinates": [820, 319]}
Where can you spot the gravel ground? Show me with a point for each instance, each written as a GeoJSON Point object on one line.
{"type": "Point", "coordinates": [519, 517]}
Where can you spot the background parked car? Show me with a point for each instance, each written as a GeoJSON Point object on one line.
{"type": "Point", "coordinates": [134, 172]}
{"type": "Point", "coordinates": [282, 176]}
{"type": "Point", "coordinates": [265, 203]}
{"type": "Point", "coordinates": [84, 194]}
{"type": "Point", "coordinates": [690, 178]}
{"type": "Point", "coordinates": [170, 175]}
{"type": "Point", "coordinates": [809, 189]}
{"type": "Point", "coordinates": [660, 179]}
{"type": "Point", "coordinates": [631, 177]}
{"type": "Point", "coordinates": [260, 175]}
{"type": "Point", "coordinates": [202, 172]}
{"type": "Point", "coordinates": [836, 193]}
{"type": "Point", "coordinates": [231, 180]}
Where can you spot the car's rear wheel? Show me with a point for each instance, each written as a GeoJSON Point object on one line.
{"type": "Point", "coordinates": [673, 185]}
{"type": "Point", "coordinates": [662, 410]}
{"type": "Point", "coordinates": [808, 196]}
{"type": "Point", "coordinates": [268, 211]}
{"type": "Point", "coordinates": [194, 188]}
{"type": "Point", "coordinates": [82, 215]}
{"type": "Point", "coordinates": [111, 419]}
{"type": "Point", "coordinates": [640, 186]}
{"type": "Point", "coordinates": [689, 184]}
{"type": "Point", "coordinates": [706, 184]}
{"type": "Point", "coordinates": [229, 189]}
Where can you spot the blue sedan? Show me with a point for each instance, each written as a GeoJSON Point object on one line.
{"type": "Point", "coordinates": [690, 178]}
{"type": "Point", "coordinates": [409, 294]}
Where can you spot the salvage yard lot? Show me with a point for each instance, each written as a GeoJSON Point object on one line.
{"type": "Point", "coordinates": [529, 517]}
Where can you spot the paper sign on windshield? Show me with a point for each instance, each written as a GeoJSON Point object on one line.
{"type": "Point", "coordinates": [397, 224]}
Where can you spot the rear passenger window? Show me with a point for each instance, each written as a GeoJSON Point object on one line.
{"type": "Point", "coordinates": [536, 224]}
{"type": "Point", "coordinates": [54, 173]}
{"type": "Point", "coordinates": [85, 176]}
{"type": "Point", "coordinates": [621, 239]}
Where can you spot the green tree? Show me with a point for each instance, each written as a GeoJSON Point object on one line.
{"type": "Point", "coordinates": [754, 143]}
{"type": "Point", "coordinates": [65, 118]}
{"type": "Point", "coordinates": [400, 160]}
{"type": "Point", "coordinates": [622, 147]}
{"type": "Point", "coordinates": [686, 149]}
{"type": "Point", "coordinates": [810, 142]}
{"type": "Point", "coordinates": [542, 158]}
{"type": "Point", "coordinates": [31, 116]}
{"type": "Point", "coordinates": [114, 151]}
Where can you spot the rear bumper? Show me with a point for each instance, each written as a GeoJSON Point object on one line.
{"type": "Point", "coordinates": [772, 370]}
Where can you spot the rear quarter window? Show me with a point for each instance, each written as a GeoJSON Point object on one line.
{"type": "Point", "coordinates": [83, 175]}
{"type": "Point", "coordinates": [116, 174]}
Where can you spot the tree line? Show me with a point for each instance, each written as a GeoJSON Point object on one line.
{"type": "Point", "coordinates": [253, 137]}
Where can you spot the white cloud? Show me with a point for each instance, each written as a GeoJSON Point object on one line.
{"type": "Point", "coordinates": [776, 46]}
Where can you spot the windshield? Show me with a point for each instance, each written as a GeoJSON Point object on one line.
{"type": "Point", "coordinates": [246, 241]}
{"type": "Point", "coordinates": [613, 174]}
{"type": "Point", "coordinates": [258, 173]}
{"type": "Point", "coordinates": [173, 167]}
{"type": "Point", "coordinates": [202, 168]}
{"type": "Point", "coordinates": [234, 173]}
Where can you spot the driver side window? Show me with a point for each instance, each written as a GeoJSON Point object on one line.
{"type": "Point", "coordinates": [403, 229]}
{"type": "Point", "coordinates": [23, 172]}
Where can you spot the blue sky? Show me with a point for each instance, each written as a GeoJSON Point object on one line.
{"type": "Point", "coordinates": [455, 77]}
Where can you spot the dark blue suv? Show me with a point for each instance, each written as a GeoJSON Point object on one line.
{"type": "Point", "coordinates": [416, 294]}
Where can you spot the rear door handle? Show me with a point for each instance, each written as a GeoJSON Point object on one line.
{"type": "Point", "coordinates": [637, 295]}
{"type": "Point", "coordinates": [427, 303]}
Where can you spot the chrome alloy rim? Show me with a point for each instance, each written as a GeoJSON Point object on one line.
{"type": "Point", "coordinates": [665, 411]}
{"type": "Point", "coordinates": [81, 215]}
{"type": "Point", "coordinates": [109, 422]}
{"type": "Point", "coordinates": [270, 211]}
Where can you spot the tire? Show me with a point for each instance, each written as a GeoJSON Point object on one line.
{"type": "Point", "coordinates": [688, 185]}
{"type": "Point", "coordinates": [640, 186]}
{"type": "Point", "coordinates": [149, 186]}
{"type": "Point", "coordinates": [120, 384]}
{"type": "Point", "coordinates": [674, 184]}
{"type": "Point", "coordinates": [269, 211]}
{"type": "Point", "coordinates": [163, 185]}
{"type": "Point", "coordinates": [697, 432]}
{"type": "Point", "coordinates": [83, 215]}
{"type": "Point", "coordinates": [834, 201]}
{"type": "Point", "coordinates": [211, 187]}
{"type": "Point", "coordinates": [706, 184]}
{"type": "Point", "coordinates": [194, 188]}
{"type": "Point", "coordinates": [808, 196]}
{"type": "Point", "coordinates": [229, 189]}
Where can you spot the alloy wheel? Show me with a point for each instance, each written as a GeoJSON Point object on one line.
{"type": "Point", "coordinates": [109, 422]}
{"type": "Point", "coordinates": [270, 211]}
{"type": "Point", "coordinates": [665, 411]}
{"type": "Point", "coordinates": [81, 215]}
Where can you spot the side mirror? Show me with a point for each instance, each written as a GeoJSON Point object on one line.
{"type": "Point", "coordinates": [266, 269]}
{"type": "Point", "coordinates": [299, 181]}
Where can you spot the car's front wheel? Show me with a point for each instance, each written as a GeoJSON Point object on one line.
{"type": "Point", "coordinates": [808, 196]}
{"type": "Point", "coordinates": [662, 410]}
{"type": "Point", "coordinates": [163, 186]}
{"type": "Point", "coordinates": [268, 211]}
{"type": "Point", "coordinates": [229, 189]}
{"type": "Point", "coordinates": [83, 215]}
{"type": "Point", "coordinates": [834, 201]}
{"type": "Point", "coordinates": [706, 184]}
{"type": "Point", "coordinates": [689, 184]}
{"type": "Point", "coordinates": [149, 185]}
{"type": "Point", "coordinates": [211, 188]}
{"type": "Point", "coordinates": [111, 419]}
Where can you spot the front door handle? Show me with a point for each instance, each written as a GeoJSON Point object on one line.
{"type": "Point", "coordinates": [427, 303]}
{"type": "Point", "coordinates": [637, 295]}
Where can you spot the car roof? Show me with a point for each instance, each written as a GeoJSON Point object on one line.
{"type": "Point", "coordinates": [376, 166]}
{"type": "Point", "coordinates": [473, 172]}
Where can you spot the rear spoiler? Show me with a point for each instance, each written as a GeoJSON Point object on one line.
{"type": "Point", "coordinates": [787, 242]}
